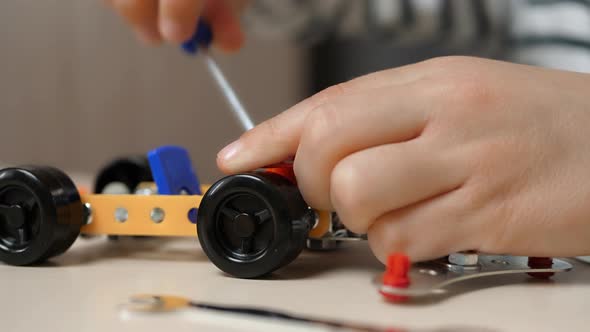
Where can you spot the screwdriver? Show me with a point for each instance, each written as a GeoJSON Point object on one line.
{"type": "Point", "coordinates": [200, 42]}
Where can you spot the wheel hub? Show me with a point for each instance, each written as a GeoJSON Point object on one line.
{"type": "Point", "coordinates": [15, 232]}
{"type": "Point", "coordinates": [244, 225]}
{"type": "Point", "coordinates": [13, 216]}
{"type": "Point", "coordinates": [243, 228]}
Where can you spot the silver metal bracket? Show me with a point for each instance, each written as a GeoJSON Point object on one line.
{"type": "Point", "coordinates": [334, 237]}
{"type": "Point", "coordinates": [433, 277]}
{"type": "Point", "coordinates": [332, 240]}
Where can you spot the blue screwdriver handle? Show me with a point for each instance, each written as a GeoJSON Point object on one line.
{"type": "Point", "coordinates": [202, 37]}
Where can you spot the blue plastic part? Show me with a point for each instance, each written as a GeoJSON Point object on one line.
{"type": "Point", "coordinates": [202, 38]}
{"type": "Point", "coordinates": [172, 171]}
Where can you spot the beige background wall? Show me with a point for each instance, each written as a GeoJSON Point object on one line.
{"type": "Point", "coordinates": [76, 89]}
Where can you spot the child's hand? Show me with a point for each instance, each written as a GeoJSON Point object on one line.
{"type": "Point", "coordinates": [175, 20]}
{"type": "Point", "coordinates": [446, 155]}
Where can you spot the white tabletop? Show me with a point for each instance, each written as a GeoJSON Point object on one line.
{"type": "Point", "coordinates": [82, 291]}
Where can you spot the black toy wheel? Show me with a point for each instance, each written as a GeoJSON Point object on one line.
{"type": "Point", "coordinates": [251, 224]}
{"type": "Point", "coordinates": [40, 214]}
{"type": "Point", "coordinates": [123, 175]}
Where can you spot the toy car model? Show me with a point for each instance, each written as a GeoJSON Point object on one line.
{"type": "Point", "coordinates": [248, 224]}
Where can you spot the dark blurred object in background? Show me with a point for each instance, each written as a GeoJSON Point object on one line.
{"type": "Point", "coordinates": [335, 61]}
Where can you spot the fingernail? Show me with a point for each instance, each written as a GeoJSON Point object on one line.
{"type": "Point", "coordinates": [172, 31]}
{"type": "Point", "coordinates": [229, 154]}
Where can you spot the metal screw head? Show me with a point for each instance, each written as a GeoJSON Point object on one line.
{"type": "Point", "coordinates": [87, 214]}
{"type": "Point", "coordinates": [116, 188]}
{"type": "Point", "coordinates": [464, 258]}
{"type": "Point", "coordinates": [121, 214]}
{"type": "Point", "coordinates": [157, 215]}
{"type": "Point", "coordinates": [146, 189]}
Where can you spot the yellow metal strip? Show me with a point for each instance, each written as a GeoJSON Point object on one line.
{"type": "Point", "coordinates": [139, 222]}
{"type": "Point", "coordinates": [139, 208]}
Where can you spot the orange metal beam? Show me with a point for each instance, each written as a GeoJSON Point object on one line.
{"type": "Point", "coordinates": [139, 208]}
{"type": "Point", "coordinates": [138, 219]}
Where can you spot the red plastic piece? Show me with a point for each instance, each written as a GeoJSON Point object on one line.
{"type": "Point", "coordinates": [540, 263]}
{"type": "Point", "coordinates": [284, 169]}
{"type": "Point", "coordinates": [396, 275]}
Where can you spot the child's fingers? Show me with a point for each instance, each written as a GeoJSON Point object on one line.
{"type": "Point", "coordinates": [351, 123]}
{"type": "Point", "coordinates": [277, 138]}
{"type": "Point", "coordinates": [142, 15]}
{"type": "Point", "coordinates": [225, 24]}
{"type": "Point", "coordinates": [177, 18]}
{"type": "Point", "coordinates": [426, 230]}
{"type": "Point", "coordinates": [372, 182]}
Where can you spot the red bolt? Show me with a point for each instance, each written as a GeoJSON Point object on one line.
{"type": "Point", "coordinates": [540, 263]}
{"type": "Point", "coordinates": [396, 275]}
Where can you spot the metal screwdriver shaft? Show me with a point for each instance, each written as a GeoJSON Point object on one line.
{"type": "Point", "coordinates": [200, 41]}
{"type": "Point", "coordinates": [230, 96]}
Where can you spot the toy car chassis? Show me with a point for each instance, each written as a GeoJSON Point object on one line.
{"type": "Point", "coordinates": [248, 224]}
